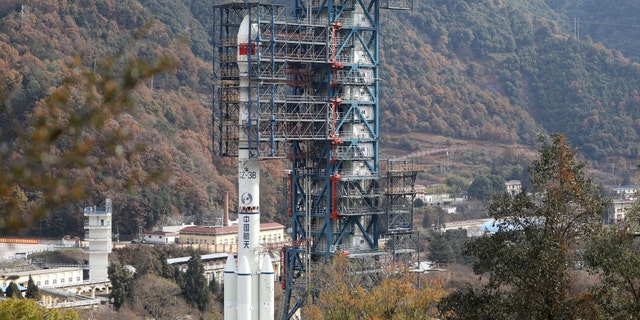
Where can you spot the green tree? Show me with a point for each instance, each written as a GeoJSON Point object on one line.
{"type": "Point", "coordinates": [614, 255]}
{"type": "Point", "coordinates": [439, 249]}
{"type": "Point", "coordinates": [195, 288]}
{"type": "Point", "coordinates": [29, 309]}
{"type": "Point", "coordinates": [456, 238]}
{"type": "Point", "coordinates": [120, 279]}
{"type": "Point", "coordinates": [214, 286]}
{"type": "Point", "coordinates": [456, 184]}
{"type": "Point", "coordinates": [33, 292]}
{"type": "Point", "coordinates": [530, 262]}
{"type": "Point", "coordinates": [13, 291]}
{"type": "Point", "coordinates": [484, 187]}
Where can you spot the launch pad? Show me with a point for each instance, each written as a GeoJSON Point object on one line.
{"type": "Point", "coordinates": [301, 83]}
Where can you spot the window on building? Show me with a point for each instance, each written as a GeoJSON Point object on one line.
{"type": "Point", "coordinates": [77, 279]}
{"type": "Point", "coordinates": [55, 281]}
{"type": "Point", "coordinates": [46, 282]}
{"type": "Point", "coordinates": [62, 280]}
{"type": "Point", "coordinates": [70, 279]}
{"type": "Point", "coordinates": [37, 283]}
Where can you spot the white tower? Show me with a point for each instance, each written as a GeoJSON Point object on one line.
{"type": "Point", "coordinates": [97, 225]}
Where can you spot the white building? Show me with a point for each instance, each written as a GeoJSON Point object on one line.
{"type": "Point", "coordinates": [46, 278]}
{"type": "Point", "coordinates": [97, 225]}
{"type": "Point", "coordinates": [625, 192]}
{"type": "Point", "coordinates": [270, 232]}
{"type": "Point", "coordinates": [160, 237]}
{"type": "Point", "coordinates": [513, 187]}
{"type": "Point", "coordinates": [620, 209]}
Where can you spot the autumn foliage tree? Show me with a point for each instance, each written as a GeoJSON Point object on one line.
{"type": "Point", "coordinates": [344, 293]}
{"type": "Point", "coordinates": [29, 309]}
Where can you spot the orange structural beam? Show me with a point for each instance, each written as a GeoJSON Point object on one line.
{"type": "Point", "coordinates": [334, 121]}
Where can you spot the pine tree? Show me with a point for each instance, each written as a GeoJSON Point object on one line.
{"type": "Point", "coordinates": [439, 249]}
{"type": "Point", "coordinates": [194, 288]}
{"type": "Point", "coordinates": [33, 292]}
{"type": "Point", "coordinates": [13, 291]}
{"type": "Point", "coordinates": [120, 279]}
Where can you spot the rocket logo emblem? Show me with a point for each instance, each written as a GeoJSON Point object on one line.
{"type": "Point", "coordinates": [246, 198]}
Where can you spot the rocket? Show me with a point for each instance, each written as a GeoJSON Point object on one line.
{"type": "Point", "coordinates": [244, 289]}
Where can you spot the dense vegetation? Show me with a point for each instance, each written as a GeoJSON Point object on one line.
{"type": "Point", "coordinates": [504, 71]}
{"type": "Point", "coordinates": [477, 70]}
{"type": "Point", "coordinates": [167, 170]}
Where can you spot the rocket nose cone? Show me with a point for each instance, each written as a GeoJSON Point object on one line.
{"type": "Point", "coordinates": [243, 30]}
{"type": "Point", "coordinates": [230, 266]}
{"type": "Point", "coordinates": [243, 266]}
{"type": "Point", "coordinates": [267, 267]}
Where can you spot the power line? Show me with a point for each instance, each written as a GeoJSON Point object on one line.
{"type": "Point", "coordinates": [610, 24]}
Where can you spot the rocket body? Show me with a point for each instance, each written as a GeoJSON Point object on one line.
{"type": "Point", "coordinates": [247, 278]}
{"type": "Point", "coordinates": [244, 289]}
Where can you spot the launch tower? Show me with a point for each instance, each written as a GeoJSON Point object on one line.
{"type": "Point", "coordinates": [310, 94]}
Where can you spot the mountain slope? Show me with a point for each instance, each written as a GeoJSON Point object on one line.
{"type": "Point", "coordinates": [490, 70]}
{"type": "Point", "coordinates": [172, 118]}
{"type": "Point", "coordinates": [497, 70]}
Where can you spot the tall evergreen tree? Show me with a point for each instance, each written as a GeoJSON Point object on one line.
{"type": "Point", "coordinates": [120, 284]}
{"type": "Point", "coordinates": [530, 261]}
{"type": "Point", "coordinates": [195, 289]}
{"type": "Point", "coordinates": [439, 249]}
{"type": "Point", "coordinates": [13, 291]}
{"type": "Point", "coordinates": [33, 292]}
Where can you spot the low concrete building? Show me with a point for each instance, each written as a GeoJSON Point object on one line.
{"type": "Point", "coordinates": [619, 210]}
{"type": "Point", "coordinates": [160, 237]}
{"type": "Point", "coordinates": [625, 192]}
{"type": "Point", "coordinates": [46, 278]}
{"type": "Point", "coordinates": [513, 187]}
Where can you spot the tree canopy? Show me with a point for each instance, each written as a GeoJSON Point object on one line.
{"type": "Point", "coordinates": [195, 288]}
{"type": "Point", "coordinates": [29, 309]}
{"type": "Point", "coordinates": [531, 261]}
{"type": "Point", "coordinates": [33, 292]}
{"type": "Point", "coordinates": [398, 294]}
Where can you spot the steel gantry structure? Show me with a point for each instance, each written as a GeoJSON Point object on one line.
{"type": "Point", "coordinates": [313, 98]}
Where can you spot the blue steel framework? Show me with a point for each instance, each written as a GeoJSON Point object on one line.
{"type": "Point", "coordinates": [313, 99]}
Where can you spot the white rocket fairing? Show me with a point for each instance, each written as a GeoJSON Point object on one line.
{"type": "Point", "coordinates": [246, 286]}
{"type": "Point", "coordinates": [230, 288]}
{"type": "Point", "coordinates": [267, 280]}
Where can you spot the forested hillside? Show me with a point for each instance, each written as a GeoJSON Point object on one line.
{"type": "Point", "coordinates": [504, 70]}
{"type": "Point", "coordinates": [615, 24]}
{"type": "Point", "coordinates": [171, 121]}
{"type": "Point", "coordinates": [499, 71]}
